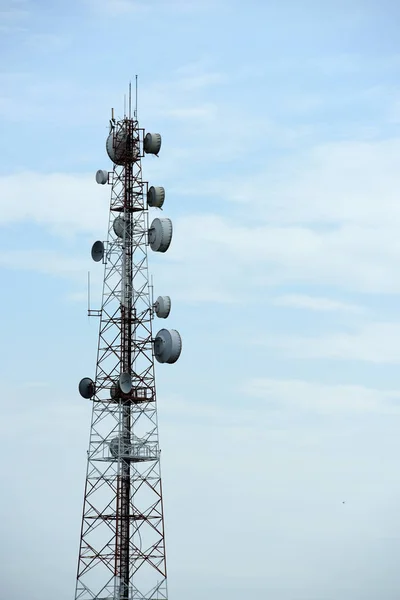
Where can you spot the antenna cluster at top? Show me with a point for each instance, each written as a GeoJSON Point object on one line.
{"type": "Point", "coordinates": [126, 144]}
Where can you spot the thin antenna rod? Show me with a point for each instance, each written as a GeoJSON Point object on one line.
{"type": "Point", "coordinates": [88, 293]}
{"type": "Point", "coordinates": [136, 97]}
{"type": "Point", "coordinates": [130, 99]}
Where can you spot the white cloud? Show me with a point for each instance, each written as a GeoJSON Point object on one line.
{"type": "Point", "coordinates": [13, 14]}
{"type": "Point", "coordinates": [315, 303]}
{"type": "Point", "coordinates": [65, 203]}
{"type": "Point", "coordinates": [224, 257]}
{"type": "Point", "coordinates": [373, 342]}
{"type": "Point", "coordinates": [321, 398]}
{"type": "Point", "coordinates": [205, 112]}
{"type": "Point", "coordinates": [116, 8]}
{"type": "Point", "coordinates": [347, 182]}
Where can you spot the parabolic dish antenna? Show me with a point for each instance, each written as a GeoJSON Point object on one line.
{"type": "Point", "coordinates": [162, 306]}
{"type": "Point", "coordinates": [119, 226]}
{"type": "Point", "coordinates": [114, 391]}
{"type": "Point", "coordinates": [121, 147]}
{"type": "Point", "coordinates": [116, 446]}
{"type": "Point", "coordinates": [98, 251]}
{"type": "Point", "coordinates": [156, 196]}
{"type": "Point", "coordinates": [102, 177]}
{"type": "Point", "coordinates": [152, 143]}
{"type": "Point", "coordinates": [167, 346]}
{"type": "Point", "coordinates": [160, 235]}
{"type": "Point", "coordinates": [125, 383]}
{"type": "Point", "coordinates": [86, 387]}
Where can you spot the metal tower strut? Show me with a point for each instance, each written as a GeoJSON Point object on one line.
{"type": "Point", "coordinates": [122, 547]}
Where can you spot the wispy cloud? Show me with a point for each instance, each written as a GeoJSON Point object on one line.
{"type": "Point", "coordinates": [372, 342]}
{"type": "Point", "coordinates": [14, 16]}
{"type": "Point", "coordinates": [116, 8]}
{"type": "Point", "coordinates": [205, 112]}
{"type": "Point", "coordinates": [303, 301]}
{"type": "Point", "coordinates": [322, 398]}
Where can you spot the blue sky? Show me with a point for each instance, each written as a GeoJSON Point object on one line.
{"type": "Point", "coordinates": [281, 137]}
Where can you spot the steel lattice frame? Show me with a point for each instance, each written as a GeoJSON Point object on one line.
{"type": "Point", "coordinates": [122, 549]}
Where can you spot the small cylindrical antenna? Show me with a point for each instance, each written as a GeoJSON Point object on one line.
{"type": "Point", "coordinates": [112, 114]}
{"type": "Point", "coordinates": [130, 99]}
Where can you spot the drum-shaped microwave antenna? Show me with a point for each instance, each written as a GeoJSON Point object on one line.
{"type": "Point", "coordinates": [160, 235]}
{"type": "Point", "coordinates": [125, 383]}
{"type": "Point", "coordinates": [162, 306]}
{"type": "Point", "coordinates": [152, 143]}
{"type": "Point", "coordinates": [121, 147]}
{"type": "Point", "coordinates": [98, 251]}
{"type": "Point", "coordinates": [102, 177]}
{"type": "Point", "coordinates": [167, 346]}
{"type": "Point", "coordinates": [86, 387]}
{"type": "Point", "coordinates": [156, 196]}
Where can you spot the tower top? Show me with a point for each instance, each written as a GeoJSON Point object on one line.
{"type": "Point", "coordinates": [129, 115]}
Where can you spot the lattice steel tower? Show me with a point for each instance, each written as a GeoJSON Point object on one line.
{"type": "Point", "coordinates": [122, 549]}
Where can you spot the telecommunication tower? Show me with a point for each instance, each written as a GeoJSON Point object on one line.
{"type": "Point", "coordinates": [122, 547]}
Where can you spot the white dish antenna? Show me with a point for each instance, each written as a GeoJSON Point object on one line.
{"type": "Point", "coordinates": [98, 251]}
{"type": "Point", "coordinates": [125, 383]}
{"type": "Point", "coordinates": [114, 447]}
{"type": "Point", "coordinates": [121, 148]}
{"type": "Point", "coordinates": [102, 177]}
{"type": "Point", "coordinates": [156, 196]}
{"type": "Point", "coordinates": [160, 235]}
{"type": "Point", "coordinates": [162, 306]}
{"type": "Point", "coordinates": [119, 226]}
{"type": "Point", "coordinates": [167, 346]}
{"type": "Point", "coordinates": [86, 387]}
{"type": "Point", "coordinates": [152, 143]}
{"type": "Point", "coordinates": [114, 391]}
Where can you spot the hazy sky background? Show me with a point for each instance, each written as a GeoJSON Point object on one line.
{"type": "Point", "coordinates": [280, 159]}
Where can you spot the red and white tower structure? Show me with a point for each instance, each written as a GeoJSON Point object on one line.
{"type": "Point", "coordinates": [122, 546]}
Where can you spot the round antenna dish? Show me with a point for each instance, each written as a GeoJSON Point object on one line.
{"type": "Point", "coordinates": [156, 196]}
{"type": "Point", "coordinates": [98, 251]}
{"type": "Point", "coordinates": [125, 383]}
{"type": "Point", "coordinates": [119, 227]}
{"type": "Point", "coordinates": [114, 391]}
{"type": "Point", "coordinates": [118, 446]}
{"type": "Point", "coordinates": [121, 147]}
{"type": "Point", "coordinates": [163, 306]}
{"type": "Point", "coordinates": [160, 235]}
{"type": "Point", "coordinates": [102, 177]}
{"type": "Point", "coordinates": [86, 387]}
{"type": "Point", "coordinates": [167, 346]}
{"type": "Point", "coordinates": [114, 444]}
{"type": "Point", "coordinates": [152, 143]}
